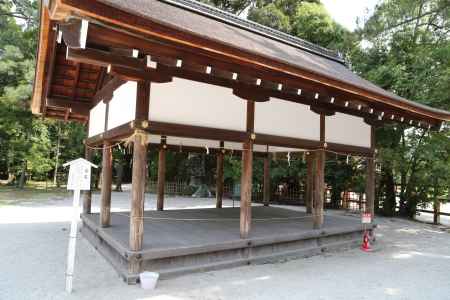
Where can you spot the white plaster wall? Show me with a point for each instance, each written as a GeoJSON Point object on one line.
{"type": "Point", "coordinates": [97, 119]}
{"type": "Point", "coordinates": [193, 103]}
{"type": "Point", "coordinates": [122, 107]}
{"type": "Point", "coordinates": [288, 119]}
{"type": "Point", "coordinates": [348, 130]}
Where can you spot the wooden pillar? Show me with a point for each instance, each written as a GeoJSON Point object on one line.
{"type": "Point", "coordinates": [319, 192]}
{"type": "Point", "coordinates": [247, 173]}
{"type": "Point", "coordinates": [139, 174]}
{"type": "Point", "coordinates": [370, 187]}
{"type": "Point", "coordinates": [370, 179]}
{"type": "Point", "coordinates": [105, 201]}
{"type": "Point", "coordinates": [138, 190]}
{"type": "Point", "coordinates": [219, 179]}
{"type": "Point", "coordinates": [309, 196]}
{"type": "Point", "coordinates": [267, 191]}
{"type": "Point", "coordinates": [319, 179]}
{"type": "Point", "coordinates": [87, 195]}
{"type": "Point", "coordinates": [161, 176]}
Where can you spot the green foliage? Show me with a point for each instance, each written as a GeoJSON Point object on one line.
{"type": "Point", "coordinates": [271, 16]}
{"type": "Point", "coordinates": [27, 143]}
{"type": "Point", "coordinates": [409, 53]}
{"type": "Point", "coordinates": [233, 6]}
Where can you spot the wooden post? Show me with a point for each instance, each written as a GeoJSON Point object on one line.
{"type": "Point", "coordinates": [138, 190]}
{"type": "Point", "coordinates": [370, 179]}
{"type": "Point", "coordinates": [139, 175]}
{"type": "Point", "coordinates": [319, 184]}
{"type": "Point", "coordinates": [105, 202]}
{"type": "Point", "coordinates": [247, 173]}
{"type": "Point", "coordinates": [319, 179]}
{"type": "Point", "coordinates": [267, 190]}
{"type": "Point", "coordinates": [309, 182]}
{"type": "Point", "coordinates": [87, 195]}
{"type": "Point", "coordinates": [161, 176]}
{"type": "Point", "coordinates": [219, 179]}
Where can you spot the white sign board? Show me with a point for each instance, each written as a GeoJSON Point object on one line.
{"type": "Point", "coordinates": [366, 218]}
{"type": "Point", "coordinates": [79, 179]}
{"type": "Point", "coordinates": [79, 175]}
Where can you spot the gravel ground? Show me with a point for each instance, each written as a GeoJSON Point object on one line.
{"type": "Point", "coordinates": [410, 261]}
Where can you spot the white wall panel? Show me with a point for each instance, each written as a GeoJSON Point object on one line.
{"type": "Point", "coordinates": [193, 103]}
{"type": "Point", "coordinates": [288, 119]}
{"type": "Point", "coordinates": [97, 119]}
{"type": "Point", "coordinates": [122, 107]}
{"type": "Point", "coordinates": [348, 130]}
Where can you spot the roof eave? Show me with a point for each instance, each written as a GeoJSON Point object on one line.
{"type": "Point", "coordinates": [63, 9]}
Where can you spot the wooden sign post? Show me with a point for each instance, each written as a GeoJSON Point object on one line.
{"type": "Point", "coordinates": [79, 180]}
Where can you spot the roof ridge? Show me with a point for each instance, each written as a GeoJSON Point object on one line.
{"type": "Point", "coordinates": [231, 19]}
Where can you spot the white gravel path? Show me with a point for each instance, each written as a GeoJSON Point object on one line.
{"type": "Point", "coordinates": [411, 261]}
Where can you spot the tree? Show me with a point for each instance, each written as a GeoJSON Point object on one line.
{"type": "Point", "coordinates": [27, 142]}
{"type": "Point", "coordinates": [408, 53]}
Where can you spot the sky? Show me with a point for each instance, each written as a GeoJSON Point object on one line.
{"type": "Point", "coordinates": [345, 12]}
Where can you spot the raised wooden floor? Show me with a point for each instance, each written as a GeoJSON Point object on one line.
{"type": "Point", "coordinates": [189, 240]}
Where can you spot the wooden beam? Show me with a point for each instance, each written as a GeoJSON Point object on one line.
{"type": "Point", "coordinates": [247, 173]}
{"type": "Point", "coordinates": [310, 159]}
{"type": "Point", "coordinates": [105, 94]}
{"type": "Point", "coordinates": [102, 58]}
{"type": "Point", "coordinates": [138, 191]}
{"type": "Point", "coordinates": [219, 179]}
{"type": "Point", "coordinates": [105, 200]}
{"type": "Point", "coordinates": [266, 180]}
{"type": "Point", "coordinates": [253, 92]}
{"type": "Point", "coordinates": [115, 134]}
{"type": "Point", "coordinates": [169, 129]}
{"type": "Point", "coordinates": [280, 141]}
{"type": "Point", "coordinates": [322, 110]}
{"type": "Point", "coordinates": [189, 131]}
{"type": "Point", "coordinates": [75, 33]}
{"type": "Point", "coordinates": [161, 176]}
{"type": "Point", "coordinates": [77, 106]}
{"type": "Point", "coordinates": [50, 67]}
{"type": "Point", "coordinates": [129, 74]}
{"type": "Point", "coordinates": [75, 80]}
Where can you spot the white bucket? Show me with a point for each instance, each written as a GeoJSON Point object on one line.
{"type": "Point", "coordinates": [148, 280]}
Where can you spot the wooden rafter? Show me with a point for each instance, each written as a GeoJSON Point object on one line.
{"type": "Point", "coordinates": [244, 85]}
{"type": "Point", "coordinates": [75, 80]}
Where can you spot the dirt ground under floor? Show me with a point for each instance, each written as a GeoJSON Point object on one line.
{"type": "Point", "coordinates": [410, 261]}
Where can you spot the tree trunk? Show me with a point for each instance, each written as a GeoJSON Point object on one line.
{"type": "Point", "coordinates": [58, 145]}
{"type": "Point", "coordinates": [23, 175]}
{"type": "Point", "coordinates": [119, 174]}
{"type": "Point", "coordinates": [389, 190]}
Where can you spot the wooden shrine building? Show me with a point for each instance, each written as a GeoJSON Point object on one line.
{"type": "Point", "coordinates": [179, 75]}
